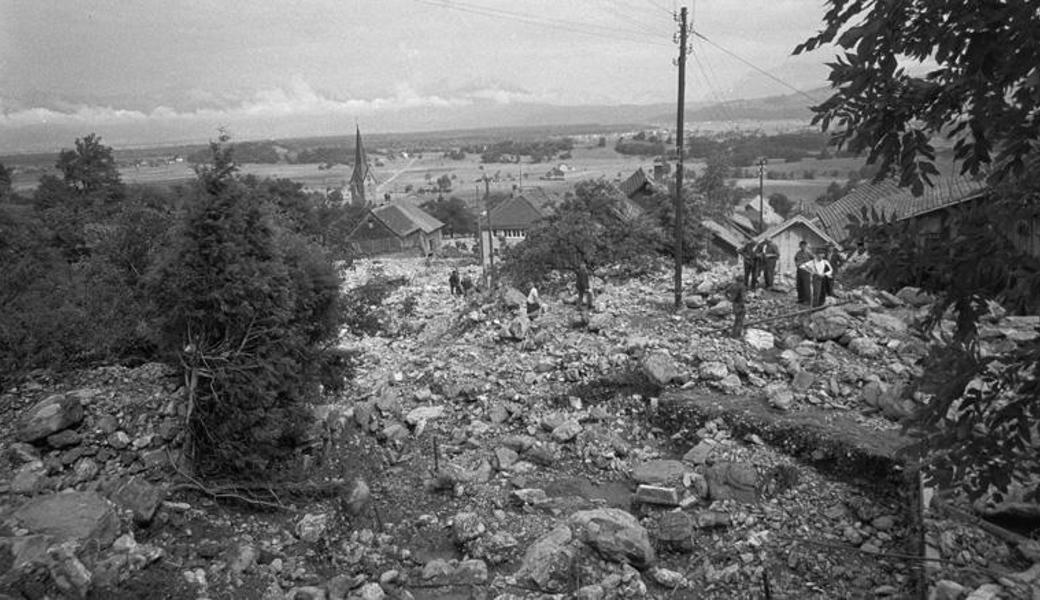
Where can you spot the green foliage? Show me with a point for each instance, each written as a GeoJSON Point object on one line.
{"type": "Point", "coordinates": [781, 204]}
{"type": "Point", "coordinates": [660, 208]}
{"type": "Point", "coordinates": [640, 147]}
{"type": "Point", "coordinates": [510, 151]}
{"type": "Point", "coordinates": [453, 212]}
{"type": "Point", "coordinates": [6, 176]}
{"type": "Point", "coordinates": [247, 308]}
{"type": "Point", "coordinates": [596, 227]}
{"type": "Point", "coordinates": [973, 435]}
{"type": "Point", "coordinates": [246, 152]}
{"type": "Point", "coordinates": [983, 91]}
{"type": "Point", "coordinates": [90, 168]}
{"type": "Point", "coordinates": [718, 197]}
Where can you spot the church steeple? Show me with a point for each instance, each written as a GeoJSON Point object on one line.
{"type": "Point", "coordinates": [361, 173]}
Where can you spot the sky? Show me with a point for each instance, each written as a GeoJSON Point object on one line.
{"type": "Point", "coordinates": [180, 68]}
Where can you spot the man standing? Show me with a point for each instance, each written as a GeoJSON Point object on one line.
{"type": "Point", "coordinates": [737, 295]}
{"type": "Point", "coordinates": [770, 254]}
{"type": "Point", "coordinates": [819, 269]}
{"type": "Point", "coordinates": [584, 291]}
{"type": "Point", "coordinates": [803, 280]}
{"type": "Point", "coordinates": [454, 285]}
{"type": "Point", "coordinates": [750, 256]}
{"type": "Point", "coordinates": [836, 260]}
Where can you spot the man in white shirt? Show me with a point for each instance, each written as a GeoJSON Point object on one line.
{"type": "Point", "coordinates": [819, 269]}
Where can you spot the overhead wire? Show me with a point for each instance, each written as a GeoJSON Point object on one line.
{"type": "Point", "coordinates": [754, 66]}
{"type": "Point", "coordinates": [590, 29]}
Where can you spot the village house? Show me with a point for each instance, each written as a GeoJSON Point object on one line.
{"type": "Point", "coordinates": [789, 234]}
{"type": "Point", "coordinates": [508, 223]}
{"type": "Point", "coordinates": [397, 227]}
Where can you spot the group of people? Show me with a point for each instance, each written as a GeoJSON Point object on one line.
{"type": "Point", "coordinates": [760, 258]}
{"type": "Point", "coordinates": [460, 286]}
{"type": "Point", "coordinates": [816, 273]}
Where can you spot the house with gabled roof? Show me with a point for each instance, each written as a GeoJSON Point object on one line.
{"type": "Point", "coordinates": [886, 198]}
{"type": "Point", "coordinates": [789, 234]}
{"type": "Point", "coordinates": [397, 227]}
{"type": "Point", "coordinates": [639, 184]}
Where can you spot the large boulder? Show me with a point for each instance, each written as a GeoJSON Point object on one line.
{"type": "Point", "coordinates": [615, 534]}
{"type": "Point", "coordinates": [139, 497]}
{"type": "Point", "coordinates": [548, 562]}
{"type": "Point", "coordinates": [49, 416]}
{"type": "Point", "coordinates": [828, 324]}
{"type": "Point", "coordinates": [713, 370]}
{"type": "Point", "coordinates": [887, 322]}
{"type": "Point", "coordinates": [732, 481]}
{"type": "Point", "coordinates": [759, 339]}
{"type": "Point", "coordinates": [659, 471]}
{"type": "Point", "coordinates": [660, 368]}
{"type": "Point", "coordinates": [915, 296]}
{"type": "Point", "coordinates": [722, 309]}
{"type": "Point", "coordinates": [865, 347]}
{"type": "Point", "coordinates": [84, 517]}
{"type": "Point", "coordinates": [513, 298]}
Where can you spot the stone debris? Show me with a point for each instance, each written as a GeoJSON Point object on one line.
{"type": "Point", "coordinates": [525, 442]}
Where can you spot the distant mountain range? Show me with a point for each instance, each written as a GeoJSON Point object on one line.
{"type": "Point", "coordinates": [159, 131]}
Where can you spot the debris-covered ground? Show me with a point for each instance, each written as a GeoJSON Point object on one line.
{"type": "Point", "coordinates": [633, 452]}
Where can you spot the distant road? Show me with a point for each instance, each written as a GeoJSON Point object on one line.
{"type": "Point", "coordinates": [397, 173]}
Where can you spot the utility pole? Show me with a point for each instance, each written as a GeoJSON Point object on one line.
{"type": "Point", "coordinates": [681, 63]}
{"type": "Point", "coordinates": [761, 193]}
{"type": "Point", "coordinates": [491, 233]}
{"type": "Point", "coordinates": [480, 236]}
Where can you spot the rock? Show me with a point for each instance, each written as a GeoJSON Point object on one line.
{"type": "Point", "coordinates": [707, 519]}
{"type": "Point", "coordinates": [119, 440]}
{"type": "Point", "coordinates": [63, 439]}
{"type": "Point", "coordinates": [566, 431]}
{"type": "Point", "coordinates": [889, 300]}
{"type": "Point", "coordinates": [865, 347]}
{"type": "Point", "coordinates": [66, 570]}
{"type": "Point", "coordinates": [828, 324]}
{"type": "Point", "coordinates": [358, 496]}
{"type": "Point", "coordinates": [989, 591]}
{"type": "Point", "coordinates": [395, 433]}
{"type": "Point", "coordinates": [658, 495]}
{"type": "Point", "coordinates": [883, 523]}
{"type": "Point", "coordinates": [759, 339]}
{"type": "Point", "coordinates": [531, 496]}
{"type": "Point", "coordinates": [423, 414]}
{"type": "Point", "coordinates": [470, 572]}
{"type": "Point", "coordinates": [732, 481]}
{"type": "Point", "coordinates": [20, 453]}
{"type": "Point", "coordinates": [241, 557]}
{"type": "Point", "coordinates": [306, 592]}
{"type": "Point", "coordinates": [802, 381]}
{"type": "Point", "coordinates": [887, 322]}
{"type": "Point", "coordinates": [658, 471]}
{"type": "Point", "coordinates": [713, 370]}
{"type": "Point", "coordinates": [598, 322]}
{"type": "Point", "coordinates": [312, 527]}
{"type": "Point", "coordinates": [915, 296]}
{"type": "Point", "coordinates": [371, 591]}
{"type": "Point", "coordinates": [139, 497]}
{"type": "Point", "coordinates": [660, 368]}
{"type": "Point", "coordinates": [695, 301]}
{"type": "Point", "coordinates": [675, 531]}
{"type": "Point", "coordinates": [438, 571]}
{"type": "Point", "coordinates": [466, 526]}
{"type": "Point", "coordinates": [699, 454]}
{"type": "Point", "coordinates": [945, 589]}
{"type": "Point", "coordinates": [84, 517]}
{"type": "Point", "coordinates": [49, 416]}
{"type": "Point", "coordinates": [548, 562]}
{"type": "Point", "coordinates": [616, 535]}
{"type": "Point", "coordinates": [513, 298]}
{"type": "Point", "coordinates": [779, 396]}
{"type": "Point", "coordinates": [505, 458]}
{"type": "Point", "coordinates": [722, 309]}
{"type": "Point", "coordinates": [517, 328]}
{"type": "Point", "coordinates": [29, 478]}
{"type": "Point", "coordinates": [86, 469]}
{"type": "Point", "coordinates": [590, 592]}
{"type": "Point", "coordinates": [667, 578]}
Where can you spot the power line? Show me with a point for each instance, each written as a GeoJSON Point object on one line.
{"type": "Point", "coordinates": [755, 67]}
{"type": "Point", "coordinates": [590, 29]}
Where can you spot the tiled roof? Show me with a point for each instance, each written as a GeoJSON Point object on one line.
{"type": "Point", "coordinates": [775, 229]}
{"type": "Point", "coordinates": [635, 183]}
{"type": "Point", "coordinates": [726, 234]}
{"type": "Point", "coordinates": [891, 200]}
{"type": "Point", "coordinates": [403, 219]}
{"type": "Point", "coordinates": [516, 212]}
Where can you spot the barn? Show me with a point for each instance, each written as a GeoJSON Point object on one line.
{"type": "Point", "coordinates": [789, 234]}
{"type": "Point", "coordinates": [397, 227]}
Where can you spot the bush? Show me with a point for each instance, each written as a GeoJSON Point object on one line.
{"type": "Point", "coordinates": [248, 310]}
{"type": "Point", "coordinates": [364, 313]}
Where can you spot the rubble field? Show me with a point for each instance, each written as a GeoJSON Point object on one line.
{"type": "Point", "coordinates": [630, 452]}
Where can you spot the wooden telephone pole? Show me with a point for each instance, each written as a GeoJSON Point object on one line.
{"type": "Point", "coordinates": [681, 63]}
